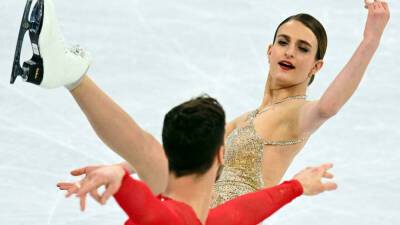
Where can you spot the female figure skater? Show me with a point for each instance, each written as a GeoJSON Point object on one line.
{"type": "Point", "coordinates": [261, 144]}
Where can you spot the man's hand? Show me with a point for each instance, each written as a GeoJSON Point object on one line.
{"type": "Point", "coordinates": [310, 179]}
{"type": "Point", "coordinates": [96, 176]}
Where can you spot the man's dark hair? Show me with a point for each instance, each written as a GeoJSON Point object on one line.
{"type": "Point", "coordinates": [192, 134]}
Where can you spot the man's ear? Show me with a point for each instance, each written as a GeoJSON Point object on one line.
{"type": "Point", "coordinates": [220, 156]}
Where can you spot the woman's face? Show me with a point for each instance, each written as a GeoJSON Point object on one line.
{"type": "Point", "coordinates": [292, 56]}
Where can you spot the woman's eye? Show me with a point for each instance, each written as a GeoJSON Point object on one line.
{"type": "Point", "coordinates": [282, 43]}
{"type": "Point", "coordinates": [303, 49]}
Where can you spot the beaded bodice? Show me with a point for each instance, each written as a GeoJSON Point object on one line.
{"type": "Point", "coordinates": [243, 162]}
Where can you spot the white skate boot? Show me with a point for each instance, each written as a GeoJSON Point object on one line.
{"type": "Point", "coordinates": [52, 64]}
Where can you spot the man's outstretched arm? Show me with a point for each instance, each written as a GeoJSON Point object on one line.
{"type": "Point", "coordinates": [253, 208]}
{"type": "Point", "coordinates": [133, 196]}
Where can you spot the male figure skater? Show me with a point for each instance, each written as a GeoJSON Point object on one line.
{"type": "Point", "coordinates": [193, 137]}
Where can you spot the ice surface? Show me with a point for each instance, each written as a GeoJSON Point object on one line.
{"type": "Point", "coordinates": [150, 55]}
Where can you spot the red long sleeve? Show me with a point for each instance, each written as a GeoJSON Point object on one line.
{"type": "Point", "coordinates": [253, 208]}
{"type": "Point", "coordinates": [142, 207]}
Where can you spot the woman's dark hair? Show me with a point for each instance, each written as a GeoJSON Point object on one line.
{"type": "Point", "coordinates": [193, 132]}
{"type": "Point", "coordinates": [316, 27]}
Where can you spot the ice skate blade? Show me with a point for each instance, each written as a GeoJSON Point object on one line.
{"type": "Point", "coordinates": [32, 70]}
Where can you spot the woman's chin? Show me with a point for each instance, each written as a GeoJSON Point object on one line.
{"type": "Point", "coordinates": [281, 79]}
{"type": "Point", "coordinates": [280, 83]}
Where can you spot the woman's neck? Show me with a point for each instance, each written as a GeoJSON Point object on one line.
{"type": "Point", "coordinates": [274, 93]}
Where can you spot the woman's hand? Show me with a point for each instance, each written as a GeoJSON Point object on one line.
{"type": "Point", "coordinates": [378, 17]}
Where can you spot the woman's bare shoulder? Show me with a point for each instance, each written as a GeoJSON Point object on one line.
{"type": "Point", "coordinates": [236, 122]}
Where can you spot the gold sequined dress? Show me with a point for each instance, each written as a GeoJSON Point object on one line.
{"type": "Point", "coordinates": [243, 162]}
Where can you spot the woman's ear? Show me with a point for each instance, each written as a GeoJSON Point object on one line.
{"type": "Point", "coordinates": [317, 67]}
{"type": "Point", "coordinates": [269, 49]}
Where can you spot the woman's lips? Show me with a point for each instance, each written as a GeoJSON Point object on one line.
{"type": "Point", "coordinates": [286, 65]}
